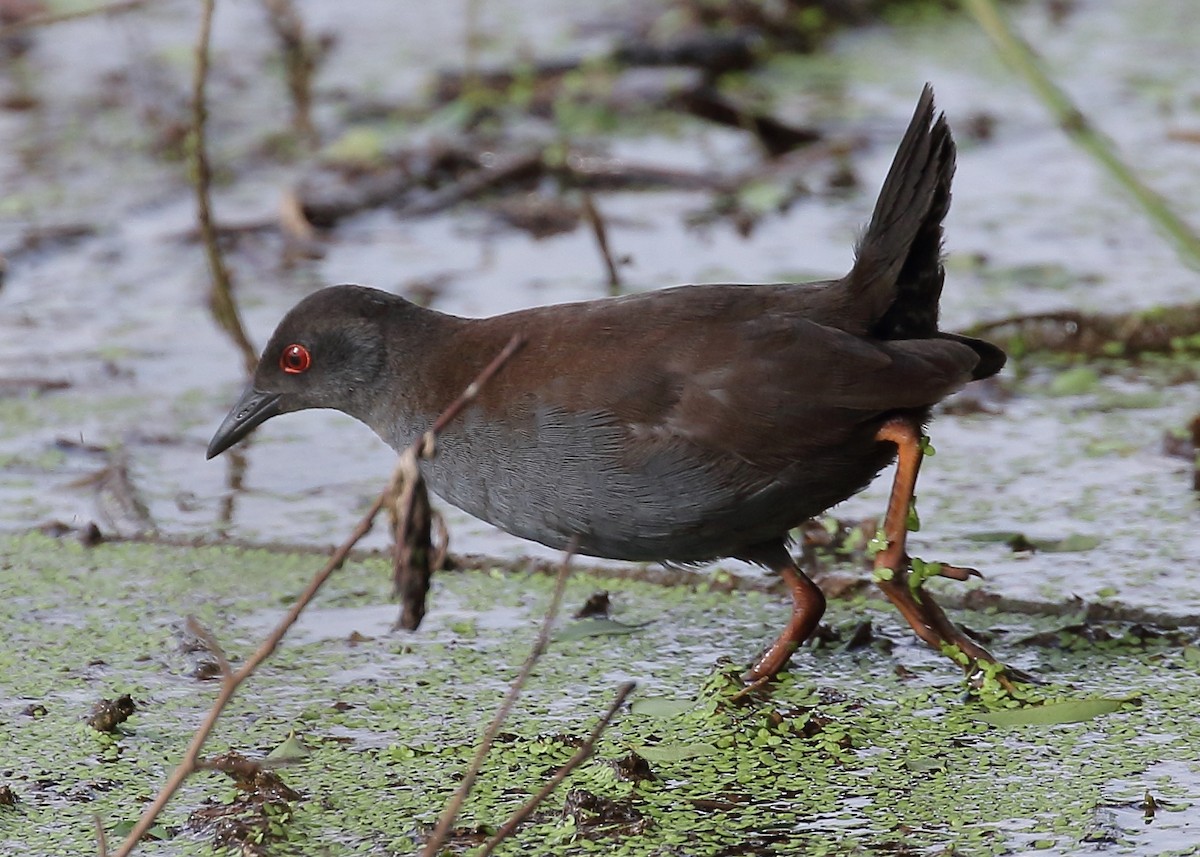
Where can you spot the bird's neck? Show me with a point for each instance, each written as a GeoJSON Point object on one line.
{"type": "Point", "coordinates": [422, 372]}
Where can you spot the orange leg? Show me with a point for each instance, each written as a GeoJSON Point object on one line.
{"type": "Point", "coordinates": [808, 605]}
{"type": "Point", "coordinates": [891, 563]}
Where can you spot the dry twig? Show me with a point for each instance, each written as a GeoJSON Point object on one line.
{"type": "Point", "coordinates": [601, 232]}
{"type": "Point", "coordinates": [504, 170]}
{"type": "Point", "coordinates": [220, 295]}
{"type": "Point", "coordinates": [581, 755]}
{"type": "Point", "coordinates": [414, 559]}
{"type": "Point", "coordinates": [118, 500]}
{"type": "Point", "coordinates": [211, 646]}
{"type": "Point", "coordinates": [442, 830]}
{"type": "Point", "coordinates": [1125, 334]}
{"type": "Point", "coordinates": [299, 60]}
{"type": "Point", "coordinates": [44, 20]}
{"type": "Point", "coordinates": [101, 838]}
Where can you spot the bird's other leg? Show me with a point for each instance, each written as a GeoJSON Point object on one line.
{"type": "Point", "coordinates": [808, 606]}
{"type": "Point", "coordinates": [892, 562]}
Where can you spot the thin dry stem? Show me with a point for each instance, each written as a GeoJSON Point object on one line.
{"type": "Point", "coordinates": [414, 557]}
{"type": "Point", "coordinates": [413, 553]}
{"type": "Point", "coordinates": [442, 831]}
{"type": "Point", "coordinates": [220, 295]}
{"type": "Point", "coordinates": [44, 20]}
{"type": "Point", "coordinates": [601, 232]}
{"type": "Point", "coordinates": [101, 838]}
{"type": "Point", "coordinates": [299, 60]}
{"type": "Point", "coordinates": [120, 502]}
{"type": "Point", "coordinates": [581, 755]}
{"type": "Point", "coordinates": [210, 643]}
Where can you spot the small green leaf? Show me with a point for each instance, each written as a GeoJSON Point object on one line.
{"type": "Point", "coordinates": [156, 832]}
{"type": "Point", "coordinates": [762, 197]}
{"type": "Point", "coordinates": [956, 654]}
{"type": "Point", "coordinates": [291, 750]}
{"type": "Point", "coordinates": [596, 627]}
{"type": "Point", "coordinates": [357, 146]}
{"type": "Point", "coordinates": [1073, 543]}
{"type": "Point", "coordinates": [661, 706]}
{"type": "Point", "coordinates": [913, 522]}
{"type": "Point", "coordinates": [675, 752]}
{"type": "Point", "coordinates": [854, 541]}
{"type": "Point", "coordinates": [1053, 713]}
{"type": "Point", "coordinates": [920, 571]}
{"type": "Point", "coordinates": [1075, 381]}
{"type": "Point", "coordinates": [925, 765]}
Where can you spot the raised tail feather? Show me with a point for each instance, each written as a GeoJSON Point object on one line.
{"type": "Point", "coordinates": [897, 276]}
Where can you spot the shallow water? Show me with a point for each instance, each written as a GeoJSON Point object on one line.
{"type": "Point", "coordinates": [120, 314]}
{"type": "Point", "coordinates": [895, 758]}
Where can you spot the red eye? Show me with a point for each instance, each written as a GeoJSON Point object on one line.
{"type": "Point", "coordinates": [295, 359]}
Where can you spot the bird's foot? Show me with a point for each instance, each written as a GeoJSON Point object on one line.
{"type": "Point", "coordinates": [808, 605]}
{"type": "Point", "coordinates": [772, 661]}
{"type": "Point", "coordinates": [902, 579]}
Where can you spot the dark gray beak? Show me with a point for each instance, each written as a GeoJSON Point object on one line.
{"type": "Point", "coordinates": [253, 408]}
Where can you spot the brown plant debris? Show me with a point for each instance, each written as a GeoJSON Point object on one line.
{"type": "Point", "coordinates": [597, 816]}
{"type": "Point", "coordinates": [415, 557]}
{"type": "Point", "coordinates": [254, 819]}
{"type": "Point", "coordinates": [107, 714]}
{"type": "Point", "coordinates": [1126, 334]}
{"type": "Point", "coordinates": [596, 605]}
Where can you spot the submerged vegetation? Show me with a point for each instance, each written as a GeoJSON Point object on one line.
{"type": "Point", "coordinates": [867, 744]}
{"type": "Point", "coordinates": [1068, 481]}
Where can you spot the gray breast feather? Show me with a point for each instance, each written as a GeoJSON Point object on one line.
{"type": "Point", "coordinates": [570, 475]}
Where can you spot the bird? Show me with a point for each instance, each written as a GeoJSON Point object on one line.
{"type": "Point", "coordinates": [680, 425]}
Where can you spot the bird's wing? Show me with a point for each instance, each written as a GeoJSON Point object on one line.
{"type": "Point", "coordinates": [777, 388]}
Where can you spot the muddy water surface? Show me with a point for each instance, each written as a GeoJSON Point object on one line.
{"type": "Point", "coordinates": [105, 283]}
